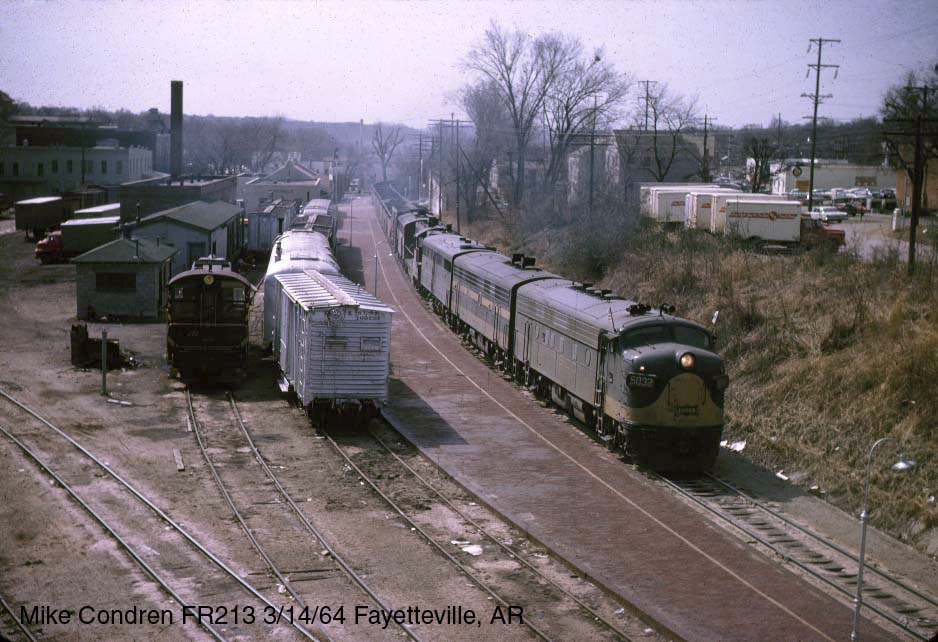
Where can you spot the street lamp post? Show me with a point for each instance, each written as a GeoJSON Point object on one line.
{"type": "Point", "coordinates": [902, 465]}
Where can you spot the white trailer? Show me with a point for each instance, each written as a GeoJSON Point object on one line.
{"type": "Point", "coordinates": [718, 207]}
{"type": "Point", "coordinates": [764, 221]}
{"type": "Point", "coordinates": [698, 204]}
{"type": "Point", "coordinates": [334, 341]}
{"type": "Point", "coordinates": [666, 208]}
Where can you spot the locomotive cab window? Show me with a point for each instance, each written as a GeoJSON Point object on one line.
{"type": "Point", "coordinates": [692, 337]}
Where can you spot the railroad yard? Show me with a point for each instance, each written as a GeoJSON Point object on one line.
{"type": "Point", "coordinates": [470, 495]}
{"type": "Point", "coordinates": [468, 321]}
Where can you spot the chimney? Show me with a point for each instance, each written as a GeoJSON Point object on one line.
{"type": "Point", "coordinates": [175, 136]}
{"type": "Point", "coordinates": [136, 249]}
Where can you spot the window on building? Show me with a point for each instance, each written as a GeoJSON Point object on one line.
{"type": "Point", "coordinates": [16, 169]}
{"type": "Point", "coordinates": [40, 169]}
{"type": "Point", "coordinates": [2, 169]}
{"type": "Point", "coordinates": [89, 167]}
{"type": "Point", "coordinates": [115, 281]}
{"type": "Point", "coordinates": [69, 166]}
{"type": "Point", "coordinates": [120, 167]}
{"type": "Point", "coordinates": [55, 166]}
{"type": "Point", "coordinates": [104, 167]}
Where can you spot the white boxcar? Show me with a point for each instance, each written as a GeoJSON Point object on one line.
{"type": "Point", "coordinates": [718, 208]}
{"type": "Point", "coordinates": [774, 221]}
{"type": "Point", "coordinates": [294, 251]}
{"type": "Point", "coordinates": [334, 340]}
{"type": "Point", "coordinates": [698, 204]}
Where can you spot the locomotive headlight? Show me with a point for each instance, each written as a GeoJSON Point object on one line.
{"type": "Point", "coordinates": [687, 361]}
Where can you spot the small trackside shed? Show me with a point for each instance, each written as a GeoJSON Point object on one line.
{"type": "Point", "coordinates": [123, 279]}
{"type": "Point", "coordinates": [196, 229]}
{"type": "Point", "coordinates": [334, 340]}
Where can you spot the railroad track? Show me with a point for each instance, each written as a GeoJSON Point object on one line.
{"type": "Point", "coordinates": [278, 514]}
{"type": "Point", "coordinates": [151, 526]}
{"type": "Point", "coordinates": [895, 601]}
{"type": "Point", "coordinates": [17, 624]}
{"type": "Point", "coordinates": [544, 602]}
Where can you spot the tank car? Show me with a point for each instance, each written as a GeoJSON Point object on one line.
{"type": "Point", "coordinates": [207, 335]}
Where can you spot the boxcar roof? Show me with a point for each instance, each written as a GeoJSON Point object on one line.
{"type": "Point", "coordinates": [314, 290]}
{"type": "Point", "coordinates": [497, 268]}
{"type": "Point", "coordinates": [450, 245]}
{"type": "Point", "coordinates": [299, 250]}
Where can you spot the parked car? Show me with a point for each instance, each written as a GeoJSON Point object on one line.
{"type": "Point", "coordinates": [828, 214]}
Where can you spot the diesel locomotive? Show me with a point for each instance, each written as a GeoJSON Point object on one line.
{"type": "Point", "coordinates": [208, 313]}
{"type": "Point", "coordinates": [646, 381]}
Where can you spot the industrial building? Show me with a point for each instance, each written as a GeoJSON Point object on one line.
{"type": "Point", "coordinates": [290, 182]}
{"type": "Point", "coordinates": [123, 279]}
{"type": "Point", "coordinates": [27, 171]}
{"type": "Point", "coordinates": [145, 197]}
{"type": "Point", "coordinates": [794, 174]}
{"type": "Point", "coordinates": [196, 229]}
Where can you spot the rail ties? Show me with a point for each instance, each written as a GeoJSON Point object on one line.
{"type": "Point", "coordinates": [310, 527]}
{"type": "Point", "coordinates": [897, 602]}
{"type": "Point", "coordinates": [27, 633]}
{"type": "Point", "coordinates": [132, 552]}
{"type": "Point", "coordinates": [271, 565]}
{"type": "Point", "coordinates": [156, 510]}
{"type": "Point", "coordinates": [514, 554]}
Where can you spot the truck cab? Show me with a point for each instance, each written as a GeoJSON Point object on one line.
{"type": "Point", "coordinates": [50, 249]}
{"type": "Point", "coordinates": [815, 233]}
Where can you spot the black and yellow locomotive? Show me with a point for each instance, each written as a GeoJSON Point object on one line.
{"type": "Point", "coordinates": [208, 315]}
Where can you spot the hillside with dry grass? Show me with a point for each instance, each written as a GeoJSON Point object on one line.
{"type": "Point", "coordinates": [826, 353]}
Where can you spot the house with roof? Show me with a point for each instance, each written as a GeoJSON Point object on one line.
{"type": "Point", "coordinates": [195, 229]}
{"type": "Point", "coordinates": [292, 182]}
{"type": "Point", "coordinates": [123, 279]}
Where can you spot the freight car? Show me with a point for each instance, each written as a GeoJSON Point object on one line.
{"type": "Point", "coordinates": [332, 344]}
{"type": "Point", "coordinates": [207, 337]}
{"type": "Point", "coordinates": [294, 251]}
{"type": "Point", "coordinates": [646, 381]}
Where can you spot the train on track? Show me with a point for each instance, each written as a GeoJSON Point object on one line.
{"type": "Point", "coordinates": [648, 382]}
{"type": "Point", "coordinates": [331, 338]}
{"type": "Point", "coordinates": [208, 315]}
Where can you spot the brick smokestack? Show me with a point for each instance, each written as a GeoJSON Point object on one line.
{"type": "Point", "coordinates": [175, 132]}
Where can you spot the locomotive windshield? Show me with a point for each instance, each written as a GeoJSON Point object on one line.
{"type": "Point", "coordinates": [661, 333]}
{"type": "Point", "coordinates": [209, 305]}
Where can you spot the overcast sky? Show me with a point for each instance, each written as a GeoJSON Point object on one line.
{"type": "Point", "coordinates": [400, 61]}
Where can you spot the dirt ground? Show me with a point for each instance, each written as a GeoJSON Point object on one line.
{"type": "Point", "coordinates": [52, 553]}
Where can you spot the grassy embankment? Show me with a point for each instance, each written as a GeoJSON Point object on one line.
{"type": "Point", "coordinates": [826, 353]}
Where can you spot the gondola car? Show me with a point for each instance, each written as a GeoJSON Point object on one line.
{"type": "Point", "coordinates": [207, 336]}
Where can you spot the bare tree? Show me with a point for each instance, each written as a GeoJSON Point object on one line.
{"type": "Point", "coordinates": [902, 103]}
{"type": "Point", "coordinates": [492, 124]}
{"type": "Point", "coordinates": [669, 116]}
{"type": "Point", "coordinates": [524, 70]}
{"type": "Point", "coordinates": [265, 137]}
{"type": "Point", "coordinates": [384, 144]}
{"type": "Point", "coordinates": [762, 150]}
{"type": "Point", "coordinates": [586, 95]}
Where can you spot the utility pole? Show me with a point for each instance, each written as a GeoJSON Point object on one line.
{"type": "Point", "coordinates": [918, 167]}
{"type": "Point", "coordinates": [778, 134]}
{"type": "Point", "coordinates": [440, 185]}
{"type": "Point", "coordinates": [592, 159]}
{"type": "Point", "coordinates": [647, 97]}
{"type": "Point", "coordinates": [816, 97]}
{"type": "Point", "coordinates": [456, 123]}
{"type": "Point", "coordinates": [705, 163]}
